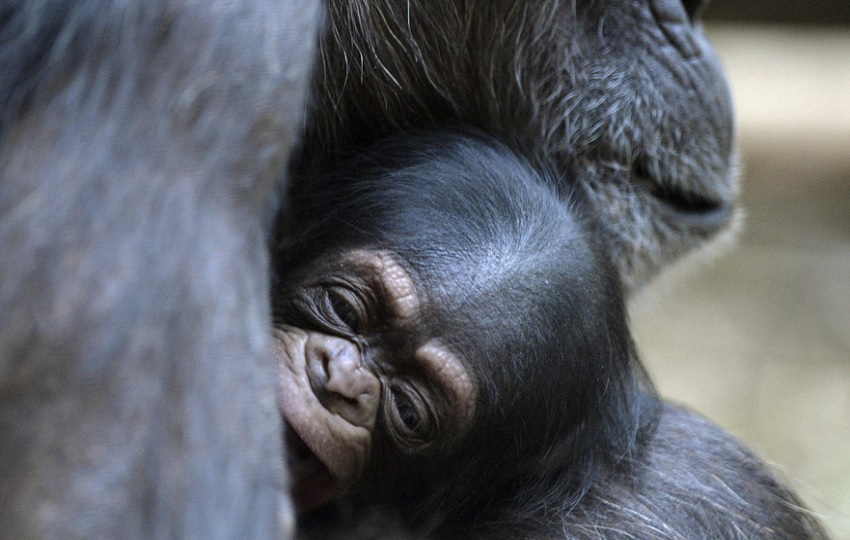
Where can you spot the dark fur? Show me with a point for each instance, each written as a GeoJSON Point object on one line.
{"type": "Point", "coordinates": [140, 144]}
{"type": "Point", "coordinates": [570, 439]}
{"type": "Point", "coordinates": [139, 148]}
{"type": "Point", "coordinates": [625, 95]}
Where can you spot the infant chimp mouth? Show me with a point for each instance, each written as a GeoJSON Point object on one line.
{"type": "Point", "coordinates": [312, 483]}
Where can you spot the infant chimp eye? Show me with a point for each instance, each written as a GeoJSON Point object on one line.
{"type": "Point", "coordinates": [407, 411]}
{"type": "Point", "coordinates": [343, 310]}
{"type": "Point", "coordinates": [408, 418]}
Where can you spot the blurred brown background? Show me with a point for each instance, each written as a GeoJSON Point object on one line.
{"type": "Point", "coordinates": [793, 12]}
{"type": "Point", "coordinates": [759, 340]}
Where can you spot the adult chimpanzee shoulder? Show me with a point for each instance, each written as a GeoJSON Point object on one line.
{"type": "Point", "coordinates": [454, 352]}
{"type": "Point", "coordinates": [140, 149]}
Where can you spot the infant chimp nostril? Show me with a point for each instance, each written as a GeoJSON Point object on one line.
{"type": "Point", "coordinates": [346, 377]}
{"type": "Point", "coordinates": [340, 380]}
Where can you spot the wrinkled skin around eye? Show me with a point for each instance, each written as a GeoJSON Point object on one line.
{"type": "Point", "coordinates": [331, 396]}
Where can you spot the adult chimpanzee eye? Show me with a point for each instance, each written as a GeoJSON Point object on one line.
{"type": "Point", "coordinates": [343, 310]}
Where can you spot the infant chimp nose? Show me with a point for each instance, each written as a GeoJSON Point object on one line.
{"type": "Point", "coordinates": [340, 380]}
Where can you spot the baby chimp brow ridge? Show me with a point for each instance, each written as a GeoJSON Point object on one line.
{"type": "Point", "coordinates": [395, 283]}
{"type": "Point", "coordinates": [451, 375]}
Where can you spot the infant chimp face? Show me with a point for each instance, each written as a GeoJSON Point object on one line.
{"type": "Point", "coordinates": [356, 362]}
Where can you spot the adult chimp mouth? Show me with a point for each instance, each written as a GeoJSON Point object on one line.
{"type": "Point", "coordinates": [313, 485]}
{"type": "Point", "coordinates": [686, 207]}
{"type": "Point", "coordinates": [693, 210]}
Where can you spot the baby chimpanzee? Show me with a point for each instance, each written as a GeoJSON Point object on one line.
{"type": "Point", "coordinates": [454, 355]}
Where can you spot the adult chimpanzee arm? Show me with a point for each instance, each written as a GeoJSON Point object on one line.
{"type": "Point", "coordinates": [626, 96]}
{"type": "Point", "coordinates": [690, 480]}
{"type": "Point", "coordinates": [139, 150]}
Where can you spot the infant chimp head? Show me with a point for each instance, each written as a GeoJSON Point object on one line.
{"type": "Point", "coordinates": [446, 316]}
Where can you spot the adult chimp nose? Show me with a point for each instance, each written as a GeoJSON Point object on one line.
{"type": "Point", "coordinates": [676, 19]}
{"type": "Point", "coordinates": [341, 382]}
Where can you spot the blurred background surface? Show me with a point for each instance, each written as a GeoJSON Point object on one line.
{"type": "Point", "coordinates": [790, 12]}
{"type": "Point", "coordinates": [759, 340]}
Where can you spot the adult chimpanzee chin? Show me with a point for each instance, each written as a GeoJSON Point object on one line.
{"type": "Point", "coordinates": [454, 354]}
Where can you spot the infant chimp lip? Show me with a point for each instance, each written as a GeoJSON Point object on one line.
{"type": "Point", "coordinates": [312, 483]}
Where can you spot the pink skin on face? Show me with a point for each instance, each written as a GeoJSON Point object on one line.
{"type": "Point", "coordinates": [331, 400]}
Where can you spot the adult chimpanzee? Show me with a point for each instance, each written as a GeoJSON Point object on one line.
{"type": "Point", "coordinates": [454, 352]}
{"type": "Point", "coordinates": [625, 95]}
{"type": "Point", "coordinates": [139, 146]}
